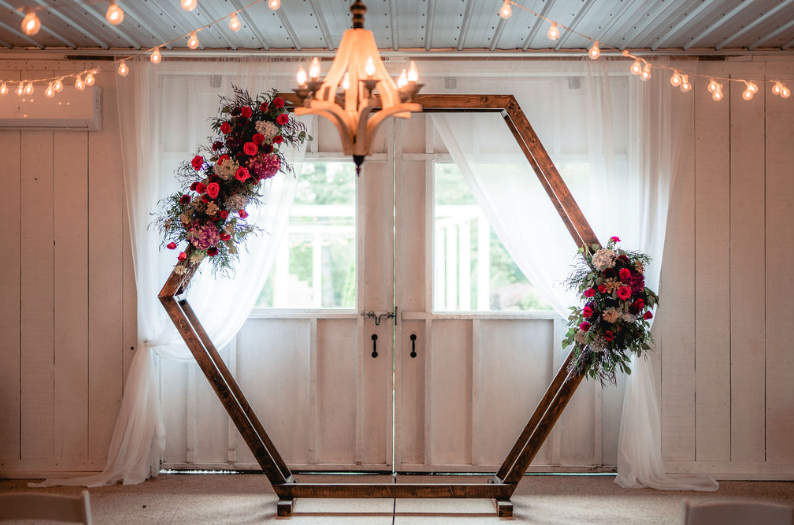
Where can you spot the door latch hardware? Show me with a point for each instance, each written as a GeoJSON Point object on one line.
{"type": "Point", "coordinates": [378, 317]}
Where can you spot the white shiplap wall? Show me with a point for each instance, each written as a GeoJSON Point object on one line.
{"type": "Point", "coordinates": [67, 311]}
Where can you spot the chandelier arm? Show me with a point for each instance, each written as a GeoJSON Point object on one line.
{"type": "Point", "coordinates": [377, 119]}
{"type": "Point", "coordinates": [386, 87]}
{"type": "Point", "coordinates": [340, 118]}
{"type": "Point", "coordinates": [337, 70]}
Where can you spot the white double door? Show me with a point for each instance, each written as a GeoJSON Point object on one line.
{"type": "Point", "coordinates": [445, 391]}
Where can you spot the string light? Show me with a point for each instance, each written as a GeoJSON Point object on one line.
{"type": "Point", "coordinates": [193, 41]}
{"type": "Point", "coordinates": [713, 86]}
{"type": "Point", "coordinates": [3, 89]}
{"type": "Point", "coordinates": [675, 80]}
{"type": "Point", "coordinates": [188, 5]}
{"type": "Point", "coordinates": [685, 85]}
{"type": "Point", "coordinates": [49, 92]}
{"type": "Point", "coordinates": [89, 78]}
{"type": "Point", "coordinates": [506, 11]}
{"type": "Point", "coordinates": [156, 57]}
{"type": "Point", "coordinates": [31, 24]}
{"type": "Point", "coordinates": [784, 93]}
{"type": "Point", "coordinates": [114, 14]}
{"type": "Point", "coordinates": [554, 32]}
{"type": "Point", "coordinates": [29, 88]}
{"type": "Point", "coordinates": [234, 23]}
{"type": "Point", "coordinates": [717, 93]}
{"type": "Point", "coordinates": [636, 67]}
{"type": "Point", "coordinates": [595, 51]}
{"type": "Point", "coordinates": [777, 88]}
{"type": "Point", "coordinates": [123, 69]}
{"type": "Point", "coordinates": [750, 91]}
{"type": "Point", "coordinates": [274, 4]}
{"type": "Point", "coordinates": [79, 84]}
{"type": "Point", "coordinates": [752, 87]}
{"type": "Point", "coordinates": [646, 72]}
{"type": "Point", "coordinates": [20, 89]}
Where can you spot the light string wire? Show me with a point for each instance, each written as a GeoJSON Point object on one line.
{"type": "Point", "coordinates": [628, 54]}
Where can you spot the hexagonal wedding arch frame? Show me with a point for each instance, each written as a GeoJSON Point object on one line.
{"type": "Point", "coordinates": [501, 487]}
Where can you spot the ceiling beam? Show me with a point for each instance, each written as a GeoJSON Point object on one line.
{"type": "Point", "coordinates": [779, 31]}
{"type": "Point", "coordinates": [211, 15]}
{"type": "Point", "coordinates": [288, 28]}
{"type": "Point", "coordinates": [622, 11]}
{"type": "Point", "coordinates": [537, 25]}
{"type": "Point", "coordinates": [788, 45]}
{"type": "Point", "coordinates": [654, 24]}
{"type": "Point", "coordinates": [101, 17]}
{"type": "Point", "coordinates": [395, 32]}
{"type": "Point", "coordinates": [464, 25]}
{"type": "Point", "coordinates": [431, 15]}
{"type": "Point", "coordinates": [318, 14]}
{"type": "Point", "coordinates": [176, 24]}
{"type": "Point", "coordinates": [686, 20]}
{"type": "Point", "coordinates": [43, 27]}
{"type": "Point", "coordinates": [21, 35]}
{"type": "Point", "coordinates": [725, 18]}
{"type": "Point", "coordinates": [497, 34]}
{"type": "Point", "coordinates": [248, 19]}
{"type": "Point", "coordinates": [772, 12]}
{"type": "Point", "coordinates": [144, 24]}
{"type": "Point", "coordinates": [574, 23]}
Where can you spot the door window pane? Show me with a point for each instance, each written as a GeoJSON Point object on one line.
{"type": "Point", "coordinates": [472, 269]}
{"type": "Point", "coordinates": [316, 263]}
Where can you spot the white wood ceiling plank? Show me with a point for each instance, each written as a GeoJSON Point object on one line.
{"type": "Point", "coordinates": [633, 27]}
{"type": "Point", "coordinates": [320, 18]}
{"type": "Point", "coordinates": [44, 27]}
{"type": "Point", "coordinates": [758, 21]}
{"type": "Point", "coordinates": [287, 25]}
{"type": "Point", "coordinates": [105, 24]}
{"type": "Point", "coordinates": [268, 23]}
{"type": "Point", "coordinates": [663, 22]}
{"type": "Point", "coordinates": [413, 19]}
{"type": "Point", "coordinates": [431, 12]}
{"type": "Point", "coordinates": [210, 12]}
{"type": "Point", "coordinates": [51, 29]}
{"type": "Point", "coordinates": [249, 24]}
{"type": "Point", "coordinates": [20, 35]}
{"type": "Point", "coordinates": [687, 20]}
{"type": "Point", "coordinates": [464, 26]}
{"type": "Point", "coordinates": [574, 25]}
{"type": "Point", "coordinates": [393, 23]}
{"type": "Point", "coordinates": [536, 27]}
{"type": "Point", "coordinates": [513, 33]}
{"type": "Point", "coordinates": [142, 19]}
{"type": "Point", "coordinates": [771, 36]}
{"type": "Point", "coordinates": [723, 19]}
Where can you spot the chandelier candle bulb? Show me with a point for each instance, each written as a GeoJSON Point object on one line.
{"type": "Point", "coordinates": [274, 4]}
{"type": "Point", "coordinates": [506, 11]}
{"type": "Point", "coordinates": [156, 57]}
{"type": "Point", "coordinates": [31, 24]}
{"type": "Point", "coordinates": [193, 41]}
{"type": "Point", "coordinates": [301, 77]}
{"type": "Point", "coordinates": [369, 68]}
{"type": "Point", "coordinates": [554, 32]}
{"type": "Point", "coordinates": [346, 82]}
{"type": "Point", "coordinates": [636, 67]}
{"type": "Point", "coordinates": [188, 5]}
{"type": "Point", "coordinates": [123, 69]}
{"type": "Point", "coordinates": [594, 51]}
{"type": "Point", "coordinates": [402, 81]}
{"type": "Point", "coordinates": [314, 69]}
{"type": "Point", "coordinates": [114, 14]}
{"type": "Point", "coordinates": [413, 73]}
{"type": "Point", "coordinates": [234, 23]}
{"type": "Point", "coordinates": [3, 89]}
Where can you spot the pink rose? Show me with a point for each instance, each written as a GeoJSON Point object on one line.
{"type": "Point", "coordinates": [585, 326]}
{"type": "Point", "coordinates": [589, 292]}
{"type": "Point", "coordinates": [242, 174]}
{"type": "Point", "coordinates": [624, 292]}
{"type": "Point", "coordinates": [213, 189]}
{"type": "Point", "coordinates": [250, 148]}
{"type": "Point", "coordinates": [614, 239]}
{"type": "Point", "coordinates": [197, 162]}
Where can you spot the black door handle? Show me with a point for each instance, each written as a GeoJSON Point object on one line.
{"type": "Point", "coordinates": [374, 345]}
{"type": "Point", "coordinates": [413, 345]}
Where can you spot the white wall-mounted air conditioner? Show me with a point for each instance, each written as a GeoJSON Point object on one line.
{"type": "Point", "coordinates": [70, 109]}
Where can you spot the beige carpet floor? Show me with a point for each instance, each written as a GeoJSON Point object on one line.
{"type": "Point", "coordinates": [248, 498]}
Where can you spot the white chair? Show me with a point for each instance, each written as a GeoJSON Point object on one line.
{"type": "Point", "coordinates": [44, 506]}
{"type": "Point", "coordinates": [737, 513]}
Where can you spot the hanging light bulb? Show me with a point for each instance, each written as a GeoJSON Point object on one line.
{"type": "Point", "coordinates": [713, 86]}
{"type": "Point", "coordinates": [3, 89]}
{"type": "Point", "coordinates": [274, 4]}
{"type": "Point", "coordinates": [156, 57]}
{"type": "Point", "coordinates": [57, 85]}
{"type": "Point", "coordinates": [784, 92]}
{"type": "Point", "coordinates": [346, 81]}
{"type": "Point", "coordinates": [506, 11]}
{"type": "Point", "coordinates": [31, 24]}
{"type": "Point", "coordinates": [114, 14]}
{"type": "Point", "coordinates": [89, 78]}
{"type": "Point", "coordinates": [717, 94]}
{"type": "Point", "coordinates": [29, 88]}
{"type": "Point", "coordinates": [402, 80]}
{"type": "Point", "coordinates": [193, 41]}
{"type": "Point", "coordinates": [675, 80]}
{"type": "Point", "coordinates": [314, 69]}
{"type": "Point", "coordinates": [777, 88]}
{"type": "Point", "coordinates": [413, 73]}
{"type": "Point", "coordinates": [20, 89]}
{"type": "Point", "coordinates": [301, 77]}
{"type": "Point", "coordinates": [234, 23]}
{"type": "Point", "coordinates": [595, 51]}
{"type": "Point", "coordinates": [79, 84]}
{"type": "Point", "coordinates": [752, 87]}
{"type": "Point", "coordinates": [123, 69]}
{"type": "Point", "coordinates": [748, 92]}
{"type": "Point", "coordinates": [685, 85]}
{"type": "Point", "coordinates": [636, 67]}
{"type": "Point", "coordinates": [50, 91]}
{"type": "Point", "coordinates": [369, 68]}
{"type": "Point", "coordinates": [646, 72]}
{"type": "Point", "coordinates": [188, 5]}
{"type": "Point", "coordinates": [554, 32]}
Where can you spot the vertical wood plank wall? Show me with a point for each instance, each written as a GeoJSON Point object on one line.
{"type": "Point", "coordinates": [67, 309]}
{"type": "Point", "coordinates": [66, 301]}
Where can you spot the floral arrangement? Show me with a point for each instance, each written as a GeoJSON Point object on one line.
{"type": "Point", "coordinates": [223, 179]}
{"type": "Point", "coordinates": [614, 318]}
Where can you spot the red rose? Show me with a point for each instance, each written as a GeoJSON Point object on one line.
{"type": "Point", "coordinates": [587, 312]}
{"type": "Point", "coordinates": [648, 315]}
{"type": "Point", "coordinates": [200, 188]}
{"type": "Point", "coordinates": [212, 251]}
{"type": "Point", "coordinates": [278, 139]}
{"type": "Point", "coordinates": [258, 138]}
{"type": "Point", "coordinates": [614, 239]}
{"type": "Point", "coordinates": [623, 258]}
{"type": "Point", "coordinates": [639, 303]}
{"type": "Point", "coordinates": [624, 274]}
{"type": "Point", "coordinates": [171, 246]}
{"type": "Point", "coordinates": [250, 148]}
{"type": "Point", "coordinates": [278, 102]}
{"type": "Point", "coordinates": [263, 107]}
{"type": "Point", "coordinates": [585, 326]}
{"type": "Point", "coordinates": [217, 145]}
{"type": "Point", "coordinates": [246, 112]}
{"type": "Point", "coordinates": [182, 256]}
{"type": "Point", "coordinates": [197, 162]}
{"type": "Point", "coordinates": [205, 199]}
{"type": "Point", "coordinates": [608, 335]}
{"type": "Point", "coordinates": [213, 189]}
{"type": "Point", "coordinates": [282, 119]}
{"type": "Point", "coordinates": [223, 214]}
{"type": "Point", "coordinates": [226, 128]}
{"type": "Point", "coordinates": [589, 292]}
{"type": "Point", "coordinates": [184, 199]}
{"type": "Point", "coordinates": [624, 292]}
{"type": "Point", "coordinates": [194, 186]}
{"type": "Point", "coordinates": [225, 236]}
{"type": "Point", "coordinates": [602, 288]}
{"type": "Point", "coordinates": [243, 214]}
{"type": "Point", "coordinates": [242, 174]}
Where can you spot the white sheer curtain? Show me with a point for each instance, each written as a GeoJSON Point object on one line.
{"type": "Point", "coordinates": [160, 108]}
{"type": "Point", "coordinates": [628, 130]}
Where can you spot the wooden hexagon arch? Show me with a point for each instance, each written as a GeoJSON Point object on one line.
{"type": "Point", "coordinates": [562, 387]}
